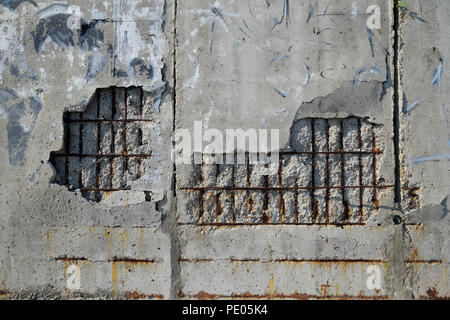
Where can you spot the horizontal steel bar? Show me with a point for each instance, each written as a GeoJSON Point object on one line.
{"type": "Point", "coordinates": [106, 120]}
{"type": "Point", "coordinates": [295, 296]}
{"type": "Point", "coordinates": [82, 155]}
{"type": "Point", "coordinates": [278, 188]}
{"type": "Point", "coordinates": [356, 152]}
{"type": "Point", "coordinates": [237, 224]}
{"type": "Point", "coordinates": [104, 190]}
{"type": "Point", "coordinates": [287, 153]}
{"type": "Point", "coordinates": [335, 261]}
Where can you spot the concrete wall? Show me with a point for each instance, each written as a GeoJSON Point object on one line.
{"type": "Point", "coordinates": [93, 205]}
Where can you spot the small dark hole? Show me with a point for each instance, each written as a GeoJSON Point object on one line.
{"type": "Point", "coordinates": [140, 137]}
{"type": "Point", "coordinates": [397, 219]}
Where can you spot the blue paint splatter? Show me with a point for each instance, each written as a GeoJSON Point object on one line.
{"type": "Point", "coordinates": [308, 74]}
{"type": "Point", "coordinates": [281, 93]}
{"type": "Point", "coordinates": [137, 64]}
{"type": "Point", "coordinates": [415, 16]}
{"type": "Point", "coordinates": [17, 134]}
{"type": "Point", "coordinates": [438, 75]}
{"type": "Point", "coordinates": [370, 36]}
{"type": "Point", "coordinates": [219, 14]}
{"type": "Point", "coordinates": [279, 58]}
{"type": "Point", "coordinates": [95, 65]}
{"type": "Point", "coordinates": [407, 109]}
{"type": "Point", "coordinates": [374, 70]}
{"type": "Point", "coordinates": [435, 158]}
{"type": "Point", "coordinates": [286, 15]}
{"type": "Point", "coordinates": [55, 27]}
{"type": "Point", "coordinates": [387, 82]}
{"type": "Point", "coordinates": [311, 11]}
{"type": "Point", "coordinates": [359, 72]}
{"type": "Point", "coordinates": [89, 36]}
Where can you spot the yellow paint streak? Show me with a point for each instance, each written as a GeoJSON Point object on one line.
{"type": "Point", "coordinates": [272, 287]}
{"type": "Point", "coordinates": [106, 195]}
{"type": "Point", "coordinates": [48, 236]}
{"type": "Point", "coordinates": [246, 264]}
{"type": "Point", "coordinates": [130, 266]}
{"type": "Point", "coordinates": [91, 232]}
{"type": "Point", "coordinates": [124, 239]}
{"type": "Point", "coordinates": [114, 280]}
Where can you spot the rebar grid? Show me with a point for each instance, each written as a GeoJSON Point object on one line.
{"type": "Point", "coordinates": [107, 154]}
{"type": "Point", "coordinates": [312, 188]}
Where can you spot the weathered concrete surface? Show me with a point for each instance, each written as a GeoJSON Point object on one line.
{"type": "Point", "coordinates": [226, 55]}
{"type": "Point", "coordinates": [424, 87]}
{"type": "Point", "coordinates": [424, 141]}
{"type": "Point", "coordinates": [330, 218]}
{"type": "Point", "coordinates": [122, 246]}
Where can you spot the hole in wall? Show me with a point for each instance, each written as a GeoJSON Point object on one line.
{"type": "Point", "coordinates": [329, 175]}
{"type": "Point", "coordinates": [106, 146]}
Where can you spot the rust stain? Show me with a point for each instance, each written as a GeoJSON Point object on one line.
{"type": "Point", "coordinates": [132, 261]}
{"type": "Point", "coordinates": [312, 261]}
{"type": "Point", "coordinates": [199, 260]}
{"type": "Point", "coordinates": [417, 228]}
{"type": "Point", "coordinates": [432, 293]}
{"type": "Point", "coordinates": [135, 295]}
{"type": "Point", "coordinates": [424, 261]}
{"type": "Point", "coordinates": [296, 296]}
{"type": "Point", "coordinates": [326, 262]}
{"type": "Point", "coordinates": [202, 295]}
{"type": "Point", "coordinates": [71, 259]}
{"type": "Point", "coordinates": [107, 194]}
{"type": "Point", "coordinates": [323, 288]}
{"type": "Point", "coordinates": [437, 298]}
{"type": "Point", "coordinates": [5, 294]}
{"type": "Point", "coordinates": [376, 202]}
{"type": "Point", "coordinates": [131, 264]}
{"type": "Point", "coordinates": [415, 254]}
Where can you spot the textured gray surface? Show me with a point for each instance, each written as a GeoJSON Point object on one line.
{"type": "Point", "coordinates": [363, 118]}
